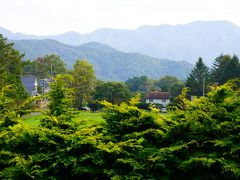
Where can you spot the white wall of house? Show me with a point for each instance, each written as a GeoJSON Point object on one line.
{"type": "Point", "coordinates": [164, 102]}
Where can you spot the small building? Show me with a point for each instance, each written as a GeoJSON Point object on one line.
{"type": "Point", "coordinates": [28, 82]}
{"type": "Point", "coordinates": [158, 97]}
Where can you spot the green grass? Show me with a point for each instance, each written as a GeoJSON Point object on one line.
{"type": "Point", "coordinates": [33, 119]}
{"type": "Point", "coordinates": [84, 118]}
{"type": "Point", "coordinates": [89, 118]}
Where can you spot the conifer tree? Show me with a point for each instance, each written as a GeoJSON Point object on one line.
{"type": "Point", "coordinates": [225, 68]}
{"type": "Point", "coordinates": [198, 79]}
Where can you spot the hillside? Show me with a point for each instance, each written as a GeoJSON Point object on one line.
{"type": "Point", "coordinates": [109, 63]}
{"type": "Point", "coordinates": [207, 39]}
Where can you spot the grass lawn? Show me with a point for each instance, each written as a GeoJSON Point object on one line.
{"type": "Point", "coordinates": [88, 119]}
{"type": "Point", "coordinates": [33, 119]}
{"type": "Point", "coordinates": [85, 118]}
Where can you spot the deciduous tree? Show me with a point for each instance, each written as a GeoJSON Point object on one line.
{"type": "Point", "coordinates": [45, 67]}
{"type": "Point", "coordinates": [138, 84]}
{"type": "Point", "coordinates": [170, 84]}
{"type": "Point", "coordinates": [113, 92]}
{"type": "Point", "coordinates": [84, 82]}
{"type": "Point", "coordinates": [11, 68]}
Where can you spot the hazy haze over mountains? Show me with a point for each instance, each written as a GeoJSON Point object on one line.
{"type": "Point", "coordinates": [207, 39]}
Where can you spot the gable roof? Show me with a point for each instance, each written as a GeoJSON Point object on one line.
{"type": "Point", "coordinates": [158, 95]}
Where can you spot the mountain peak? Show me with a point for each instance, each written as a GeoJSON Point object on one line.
{"type": "Point", "coordinates": [71, 33]}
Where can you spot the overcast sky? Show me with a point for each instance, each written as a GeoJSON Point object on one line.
{"type": "Point", "coordinates": [43, 17]}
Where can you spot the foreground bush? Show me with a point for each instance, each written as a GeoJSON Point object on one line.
{"type": "Point", "coordinates": [199, 141]}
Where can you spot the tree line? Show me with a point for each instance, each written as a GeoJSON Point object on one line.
{"type": "Point", "coordinates": [88, 91]}
{"type": "Point", "coordinates": [224, 68]}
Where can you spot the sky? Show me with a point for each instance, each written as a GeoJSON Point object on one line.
{"type": "Point", "coordinates": [48, 17]}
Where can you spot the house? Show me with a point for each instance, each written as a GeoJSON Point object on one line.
{"type": "Point", "coordinates": [158, 97]}
{"type": "Point", "coordinates": [28, 83]}
{"type": "Point", "coordinates": [32, 85]}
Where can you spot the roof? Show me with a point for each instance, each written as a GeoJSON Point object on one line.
{"type": "Point", "coordinates": [28, 82]}
{"type": "Point", "coordinates": [158, 95]}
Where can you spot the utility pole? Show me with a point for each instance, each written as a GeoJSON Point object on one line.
{"type": "Point", "coordinates": [51, 73]}
{"type": "Point", "coordinates": [43, 90]}
{"type": "Point", "coordinates": [203, 85]}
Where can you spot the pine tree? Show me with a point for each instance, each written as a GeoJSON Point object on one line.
{"type": "Point", "coordinates": [198, 79]}
{"type": "Point", "coordinates": [225, 68]}
{"type": "Point", "coordinates": [60, 94]}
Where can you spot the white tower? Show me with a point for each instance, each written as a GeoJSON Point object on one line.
{"type": "Point", "coordinates": [35, 92]}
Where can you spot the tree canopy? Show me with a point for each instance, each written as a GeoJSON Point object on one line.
{"type": "Point", "coordinates": [114, 92]}
{"type": "Point", "coordinates": [45, 67]}
{"type": "Point", "coordinates": [11, 68]}
{"type": "Point", "coordinates": [198, 79]}
{"type": "Point", "coordinates": [84, 81]}
{"type": "Point", "coordinates": [170, 84]}
{"type": "Point", "coordinates": [138, 84]}
{"type": "Point", "coordinates": [225, 68]}
{"type": "Point", "coordinates": [60, 94]}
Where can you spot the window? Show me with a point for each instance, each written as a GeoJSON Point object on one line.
{"type": "Point", "coordinates": [163, 100]}
{"type": "Point", "coordinates": [150, 100]}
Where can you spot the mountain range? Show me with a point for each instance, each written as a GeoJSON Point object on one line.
{"type": "Point", "coordinates": [206, 39]}
{"type": "Point", "coordinates": [109, 63]}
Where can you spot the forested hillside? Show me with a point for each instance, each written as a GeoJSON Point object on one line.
{"type": "Point", "coordinates": [109, 63]}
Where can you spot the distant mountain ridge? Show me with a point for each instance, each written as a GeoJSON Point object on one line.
{"type": "Point", "coordinates": [109, 63]}
{"type": "Point", "coordinates": [207, 39]}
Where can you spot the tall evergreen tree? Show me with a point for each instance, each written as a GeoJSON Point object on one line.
{"type": "Point", "coordinates": [225, 68]}
{"type": "Point", "coordinates": [11, 68]}
{"type": "Point", "coordinates": [60, 94]}
{"type": "Point", "coordinates": [198, 79]}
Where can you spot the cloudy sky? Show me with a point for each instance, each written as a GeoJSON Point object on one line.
{"type": "Point", "coordinates": [43, 17]}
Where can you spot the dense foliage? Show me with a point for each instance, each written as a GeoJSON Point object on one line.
{"type": "Point", "coordinates": [11, 68]}
{"type": "Point", "coordinates": [199, 140]}
{"type": "Point", "coordinates": [170, 84]}
{"type": "Point", "coordinates": [138, 84]}
{"type": "Point", "coordinates": [225, 68]}
{"type": "Point", "coordinates": [198, 79]}
{"type": "Point", "coordinates": [45, 67]}
{"type": "Point", "coordinates": [83, 82]}
{"type": "Point", "coordinates": [61, 94]}
{"type": "Point", "coordinates": [114, 92]}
